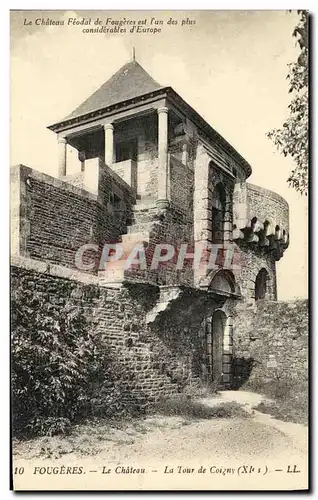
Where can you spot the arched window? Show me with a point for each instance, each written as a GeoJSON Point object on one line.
{"type": "Point", "coordinates": [218, 211]}
{"type": "Point", "coordinates": [261, 284]}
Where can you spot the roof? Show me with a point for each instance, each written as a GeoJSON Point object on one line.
{"type": "Point", "coordinates": [130, 86]}
{"type": "Point", "coordinates": [131, 80]}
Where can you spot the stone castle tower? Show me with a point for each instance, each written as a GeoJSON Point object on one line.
{"type": "Point", "coordinates": [152, 172]}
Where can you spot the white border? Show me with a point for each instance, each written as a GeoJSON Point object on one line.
{"type": "Point", "coordinates": [4, 185]}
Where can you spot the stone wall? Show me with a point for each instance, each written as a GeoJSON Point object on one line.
{"type": "Point", "coordinates": [151, 229]}
{"type": "Point", "coordinates": [127, 170]}
{"type": "Point", "coordinates": [52, 219]}
{"type": "Point", "coordinates": [261, 218]}
{"type": "Point", "coordinates": [250, 260]}
{"type": "Point", "coordinates": [159, 336]}
{"type": "Point", "coordinates": [174, 228]}
{"type": "Point", "coordinates": [146, 131]}
{"type": "Point", "coordinates": [271, 342]}
{"type": "Point", "coordinates": [161, 353]}
{"type": "Point", "coordinates": [267, 206]}
{"type": "Point", "coordinates": [147, 174]}
{"type": "Point", "coordinates": [206, 176]}
{"type": "Point", "coordinates": [181, 185]}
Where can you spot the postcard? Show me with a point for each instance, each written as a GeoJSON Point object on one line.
{"type": "Point", "coordinates": [159, 305]}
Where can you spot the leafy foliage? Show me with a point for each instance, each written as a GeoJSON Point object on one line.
{"type": "Point", "coordinates": [292, 138]}
{"type": "Point", "coordinates": [60, 371]}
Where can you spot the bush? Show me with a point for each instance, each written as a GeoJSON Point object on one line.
{"type": "Point", "coordinates": [60, 371]}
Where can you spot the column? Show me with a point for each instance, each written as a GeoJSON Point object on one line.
{"type": "Point", "coordinates": [228, 217]}
{"type": "Point", "coordinates": [162, 198]}
{"type": "Point", "coordinates": [227, 350]}
{"type": "Point", "coordinates": [209, 359]}
{"type": "Point", "coordinates": [62, 143]}
{"type": "Point", "coordinates": [185, 154]}
{"type": "Point", "coordinates": [82, 158]}
{"type": "Point", "coordinates": [109, 143]}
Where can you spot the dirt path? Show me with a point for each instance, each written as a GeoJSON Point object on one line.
{"type": "Point", "coordinates": [161, 444]}
{"type": "Point", "coordinates": [297, 433]}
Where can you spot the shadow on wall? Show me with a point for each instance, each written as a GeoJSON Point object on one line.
{"type": "Point", "coordinates": [241, 369]}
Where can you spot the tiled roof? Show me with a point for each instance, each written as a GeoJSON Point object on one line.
{"type": "Point", "coordinates": [130, 81]}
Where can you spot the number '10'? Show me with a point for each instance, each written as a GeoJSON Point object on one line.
{"type": "Point", "coordinates": [19, 470]}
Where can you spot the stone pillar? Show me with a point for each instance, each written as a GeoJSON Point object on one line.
{"type": "Point", "coordinates": [185, 153]}
{"type": "Point", "coordinates": [82, 158]}
{"type": "Point", "coordinates": [240, 201]}
{"type": "Point", "coordinates": [227, 351]}
{"type": "Point", "coordinates": [162, 197]}
{"type": "Point", "coordinates": [209, 349]}
{"type": "Point", "coordinates": [109, 143]}
{"type": "Point", "coordinates": [62, 143]}
{"type": "Point", "coordinates": [228, 217]}
{"type": "Point", "coordinates": [20, 209]}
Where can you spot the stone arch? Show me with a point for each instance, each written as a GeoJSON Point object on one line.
{"type": "Point", "coordinates": [219, 342]}
{"type": "Point", "coordinates": [261, 284]}
{"type": "Point", "coordinates": [222, 281]}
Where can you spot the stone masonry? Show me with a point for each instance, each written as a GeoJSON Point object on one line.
{"type": "Point", "coordinates": [152, 172]}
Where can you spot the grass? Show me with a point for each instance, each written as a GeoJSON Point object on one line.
{"type": "Point", "coordinates": [101, 436]}
{"type": "Point", "coordinates": [289, 403]}
{"type": "Point", "coordinates": [290, 399]}
{"type": "Point", "coordinates": [187, 407]}
{"type": "Point", "coordinates": [86, 439]}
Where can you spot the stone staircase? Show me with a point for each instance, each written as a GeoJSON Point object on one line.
{"type": "Point", "coordinates": [137, 237]}
{"type": "Point", "coordinates": [168, 294]}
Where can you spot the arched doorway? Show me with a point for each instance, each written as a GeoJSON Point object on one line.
{"type": "Point", "coordinates": [214, 347]}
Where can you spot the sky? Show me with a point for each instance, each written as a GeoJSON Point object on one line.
{"type": "Point", "coordinates": [230, 66]}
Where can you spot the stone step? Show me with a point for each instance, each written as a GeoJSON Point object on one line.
{"type": "Point", "coordinates": [145, 200]}
{"type": "Point", "coordinates": [139, 207]}
{"type": "Point", "coordinates": [116, 275]}
{"type": "Point", "coordinates": [168, 294]}
{"type": "Point", "coordinates": [115, 272]}
{"type": "Point", "coordinates": [139, 227]}
{"type": "Point", "coordinates": [111, 277]}
{"type": "Point", "coordinates": [135, 237]}
{"type": "Point", "coordinates": [142, 216]}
